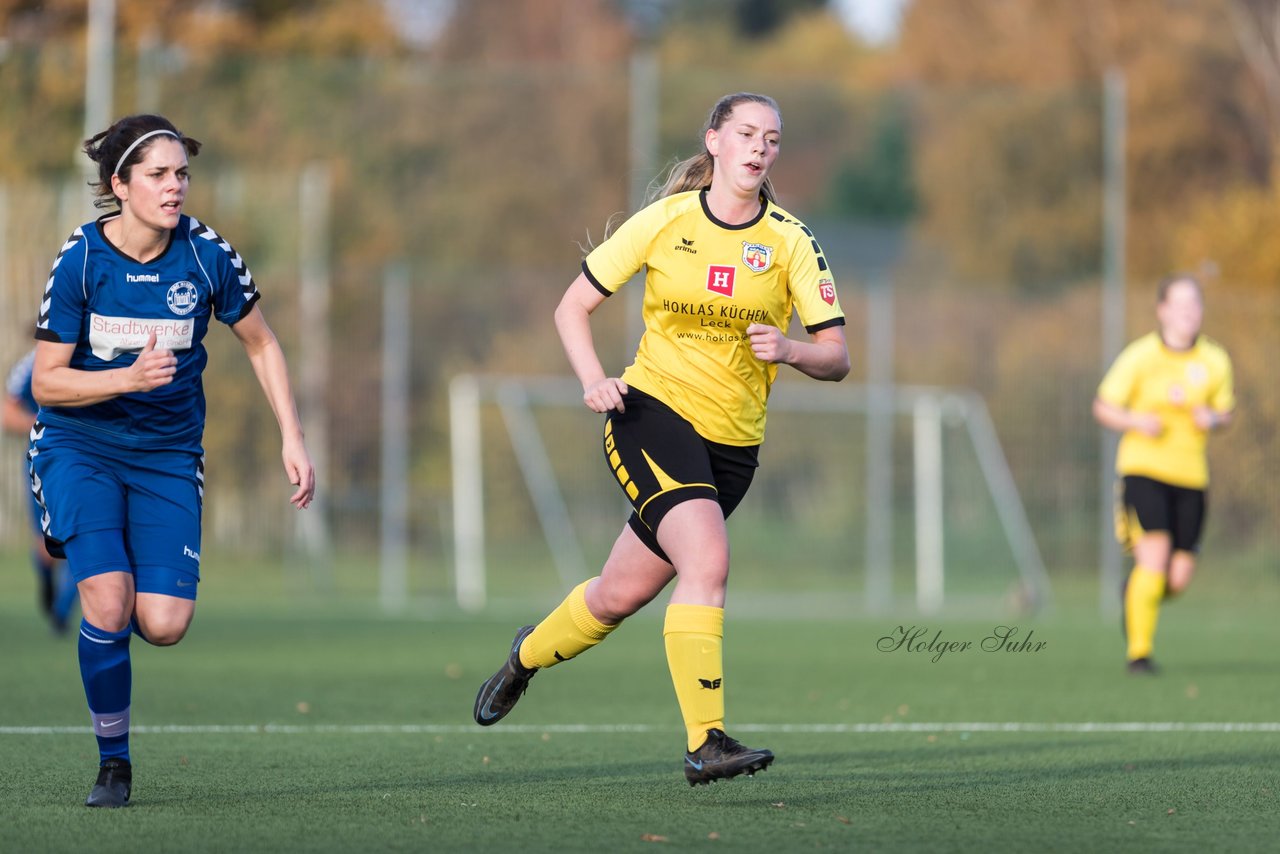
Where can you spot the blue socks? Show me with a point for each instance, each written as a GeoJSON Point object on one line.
{"type": "Point", "coordinates": [108, 682]}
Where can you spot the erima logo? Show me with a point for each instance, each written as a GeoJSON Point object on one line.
{"type": "Point", "coordinates": [558, 656]}
{"type": "Point", "coordinates": [710, 684]}
{"type": "Point", "coordinates": [189, 553]}
{"type": "Point", "coordinates": [685, 246]}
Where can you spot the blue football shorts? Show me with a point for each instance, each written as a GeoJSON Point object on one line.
{"type": "Point", "coordinates": [37, 512]}
{"type": "Point", "coordinates": [153, 497]}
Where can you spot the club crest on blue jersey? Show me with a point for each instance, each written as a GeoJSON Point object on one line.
{"type": "Point", "coordinates": [757, 256]}
{"type": "Point", "coordinates": [182, 297]}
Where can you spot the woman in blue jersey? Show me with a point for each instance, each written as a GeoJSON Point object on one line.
{"type": "Point", "coordinates": [57, 590]}
{"type": "Point", "coordinates": [725, 268]}
{"type": "Point", "coordinates": [115, 455]}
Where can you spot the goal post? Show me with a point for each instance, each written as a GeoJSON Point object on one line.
{"type": "Point", "coordinates": [930, 410]}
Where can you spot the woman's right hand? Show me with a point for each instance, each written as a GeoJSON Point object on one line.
{"type": "Point", "coordinates": [604, 395]}
{"type": "Point", "coordinates": [153, 368]}
{"type": "Point", "coordinates": [1148, 423]}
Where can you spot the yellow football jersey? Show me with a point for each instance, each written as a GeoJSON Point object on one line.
{"type": "Point", "coordinates": [706, 282]}
{"type": "Point", "coordinates": [1149, 377]}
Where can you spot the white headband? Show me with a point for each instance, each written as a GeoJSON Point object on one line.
{"type": "Point", "coordinates": [136, 143]}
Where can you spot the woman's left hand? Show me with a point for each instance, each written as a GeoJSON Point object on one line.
{"type": "Point", "coordinates": [297, 464]}
{"type": "Point", "coordinates": [768, 343]}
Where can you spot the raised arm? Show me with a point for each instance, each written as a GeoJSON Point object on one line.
{"type": "Point", "coordinates": [825, 357]}
{"type": "Point", "coordinates": [55, 383]}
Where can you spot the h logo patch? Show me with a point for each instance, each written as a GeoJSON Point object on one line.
{"type": "Point", "coordinates": [720, 279]}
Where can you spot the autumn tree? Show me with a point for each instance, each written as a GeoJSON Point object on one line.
{"type": "Point", "coordinates": [1194, 126]}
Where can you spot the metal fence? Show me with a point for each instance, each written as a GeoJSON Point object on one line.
{"type": "Point", "coordinates": [481, 186]}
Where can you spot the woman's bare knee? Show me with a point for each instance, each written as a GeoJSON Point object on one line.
{"type": "Point", "coordinates": [611, 602]}
{"type": "Point", "coordinates": [162, 632]}
{"type": "Point", "coordinates": [163, 620]}
{"type": "Point", "coordinates": [632, 576]}
{"type": "Point", "coordinates": [107, 600]}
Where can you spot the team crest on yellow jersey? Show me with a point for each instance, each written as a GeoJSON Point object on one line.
{"type": "Point", "coordinates": [757, 256]}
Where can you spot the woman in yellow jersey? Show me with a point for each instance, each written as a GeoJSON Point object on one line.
{"type": "Point", "coordinates": [1165, 393]}
{"type": "Point", "coordinates": [725, 267]}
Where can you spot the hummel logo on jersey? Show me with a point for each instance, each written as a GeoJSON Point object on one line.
{"type": "Point", "coordinates": [188, 552]}
{"type": "Point", "coordinates": [685, 246]}
{"type": "Point", "coordinates": [710, 684]}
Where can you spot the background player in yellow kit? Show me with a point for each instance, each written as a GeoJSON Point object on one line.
{"type": "Point", "coordinates": [725, 268]}
{"type": "Point", "coordinates": [1165, 393]}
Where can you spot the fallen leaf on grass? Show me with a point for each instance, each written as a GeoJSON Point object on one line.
{"type": "Point", "coordinates": [304, 707]}
{"type": "Point", "coordinates": [1171, 811]}
{"type": "Point", "coordinates": [652, 837]}
{"type": "Point", "coordinates": [843, 820]}
{"type": "Point", "coordinates": [779, 805]}
{"type": "Point", "coordinates": [713, 836]}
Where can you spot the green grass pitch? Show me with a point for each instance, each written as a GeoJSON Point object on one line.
{"type": "Point", "coordinates": [314, 726]}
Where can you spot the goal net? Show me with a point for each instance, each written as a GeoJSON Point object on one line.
{"type": "Point", "coordinates": [867, 498]}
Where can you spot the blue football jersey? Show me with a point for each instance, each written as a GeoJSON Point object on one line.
{"type": "Point", "coordinates": [19, 383]}
{"type": "Point", "coordinates": [108, 304]}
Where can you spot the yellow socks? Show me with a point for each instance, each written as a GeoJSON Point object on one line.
{"type": "Point", "coordinates": [567, 631]}
{"type": "Point", "coordinates": [694, 636]}
{"type": "Point", "coordinates": [1142, 597]}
